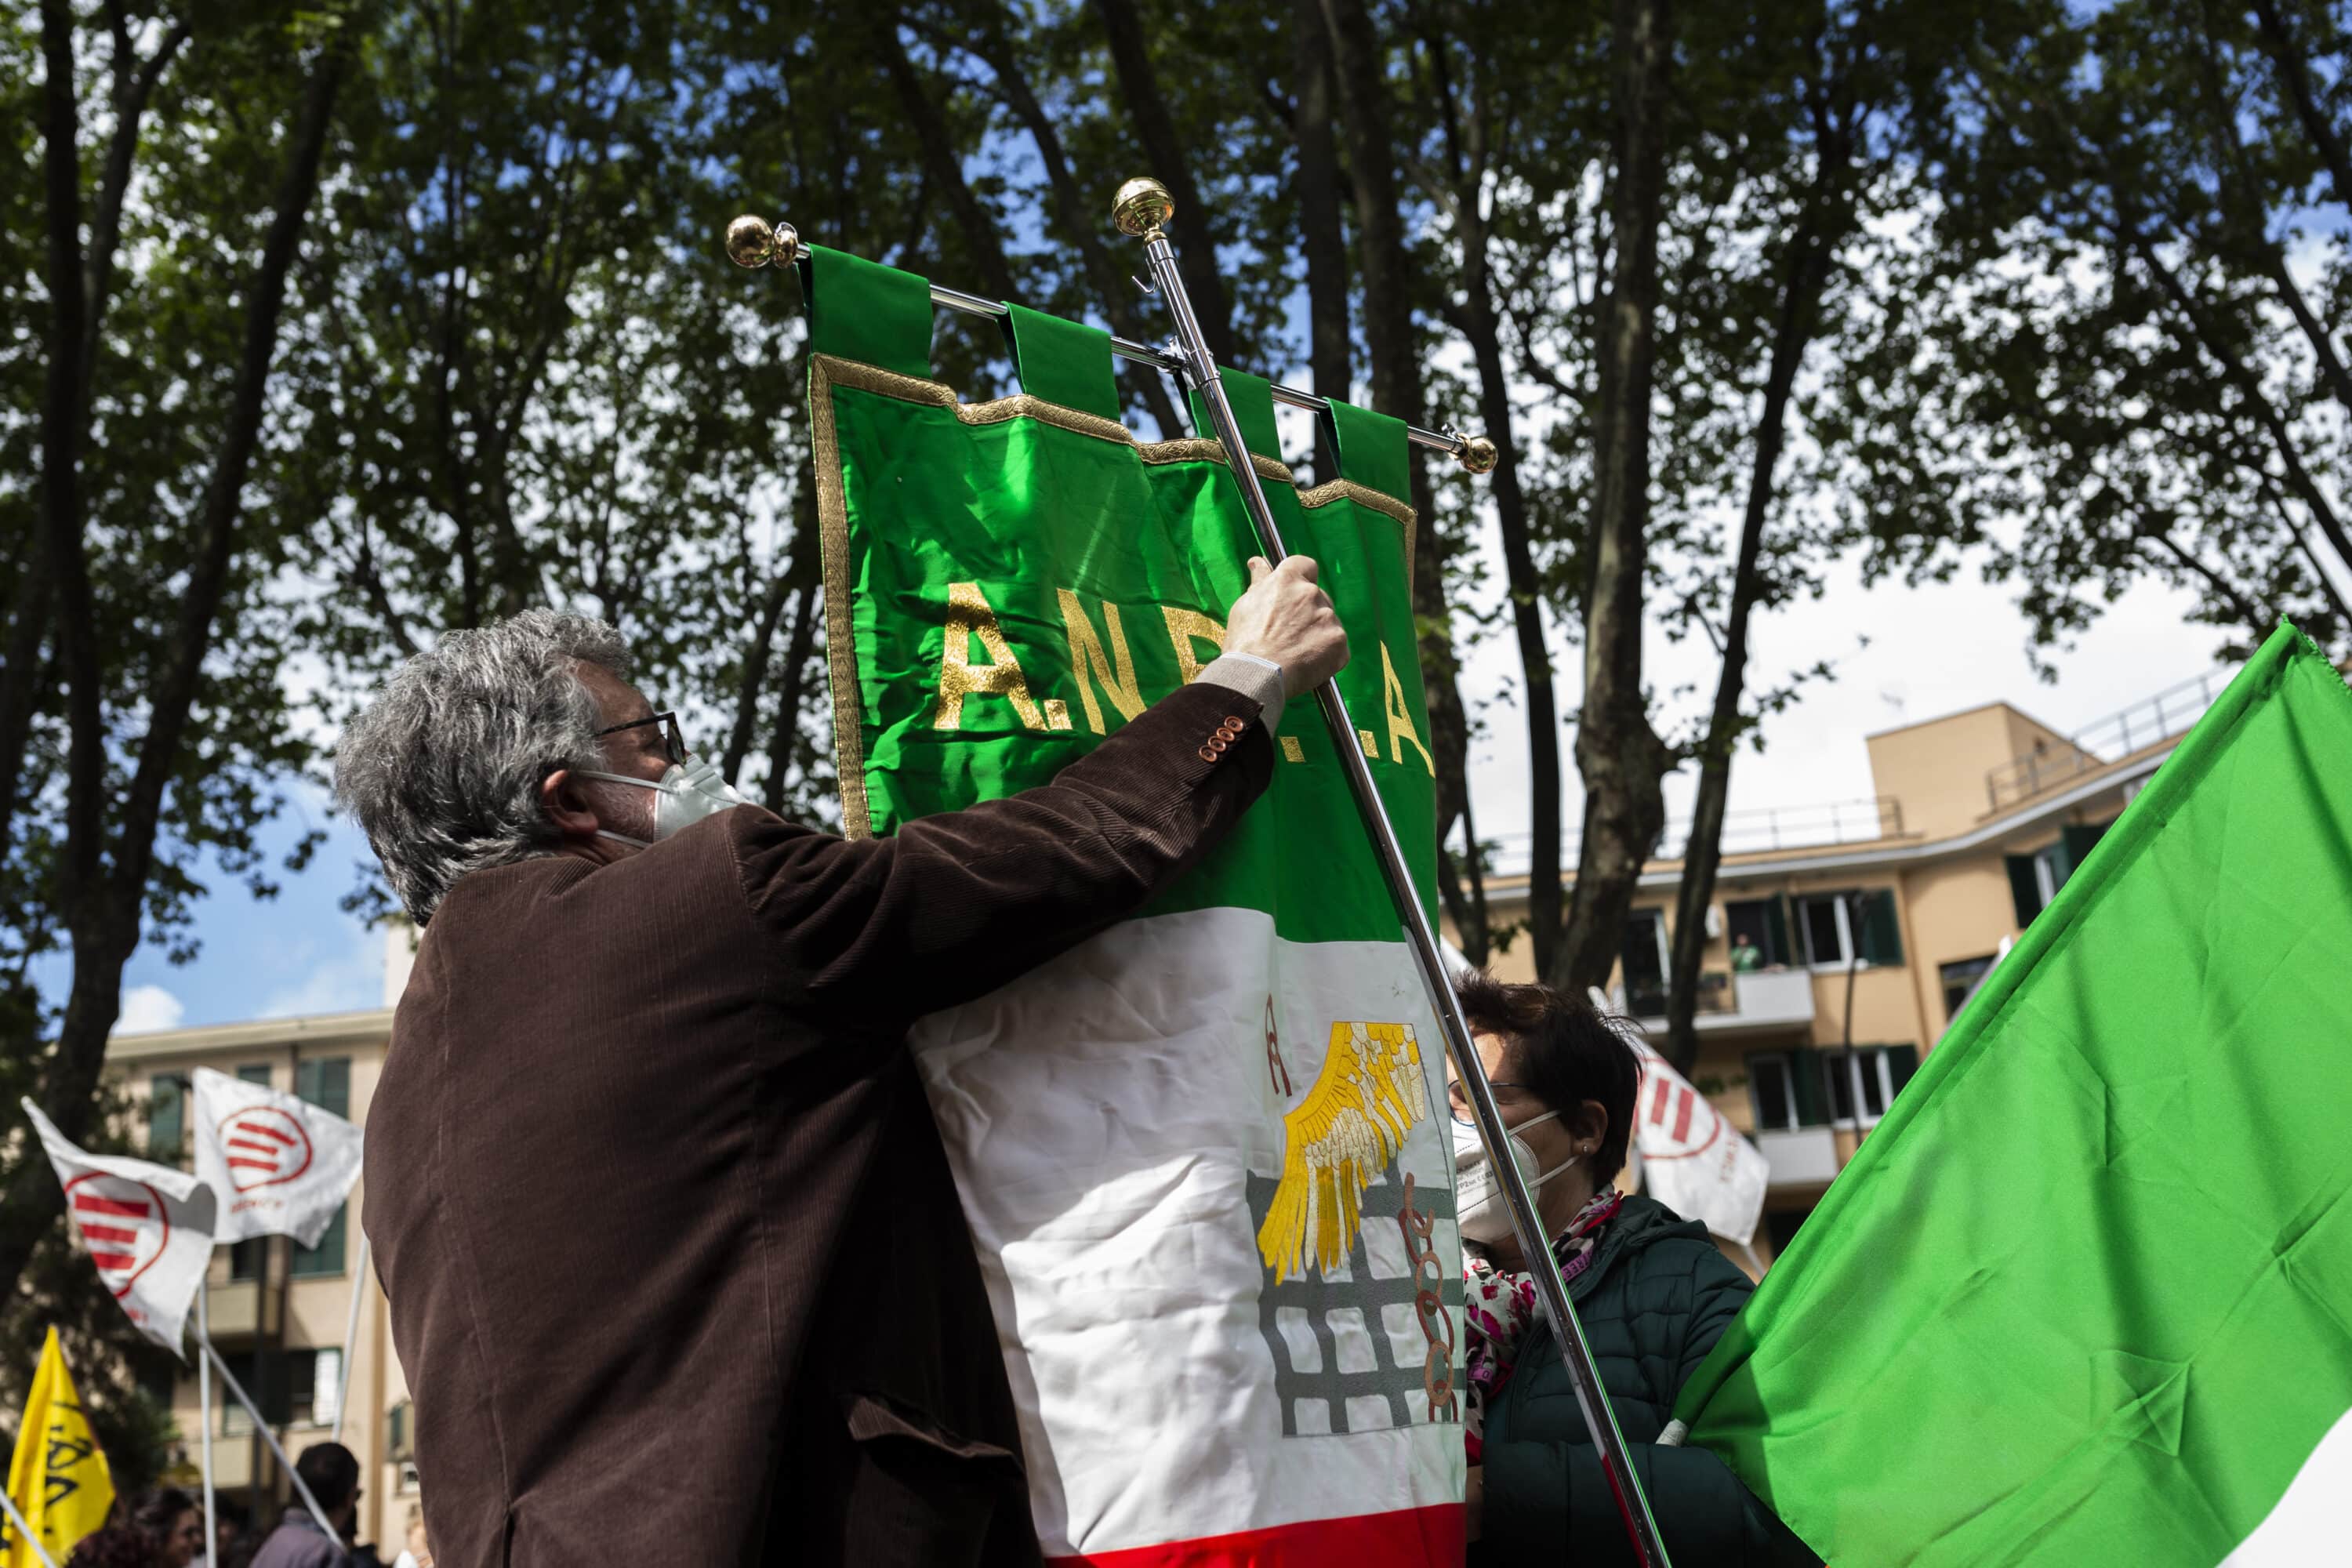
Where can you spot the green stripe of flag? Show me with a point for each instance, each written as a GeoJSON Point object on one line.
{"type": "Point", "coordinates": [2085, 1297]}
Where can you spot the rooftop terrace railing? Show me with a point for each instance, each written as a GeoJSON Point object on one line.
{"type": "Point", "coordinates": [2151, 720]}
{"type": "Point", "coordinates": [1748, 831]}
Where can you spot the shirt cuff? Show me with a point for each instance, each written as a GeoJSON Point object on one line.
{"type": "Point", "coordinates": [1255, 677]}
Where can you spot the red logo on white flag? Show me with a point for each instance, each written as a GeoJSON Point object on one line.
{"type": "Point", "coordinates": [123, 1224]}
{"type": "Point", "coordinates": [265, 1146]}
{"type": "Point", "coordinates": [1677, 1123]}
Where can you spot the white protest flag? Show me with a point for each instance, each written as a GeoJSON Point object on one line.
{"type": "Point", "coordinates": [1695, 1161]}
{"type": "Point", "coordinates": [281, 1165]}
{"type": "Point", "coordinates": [148, 1228]}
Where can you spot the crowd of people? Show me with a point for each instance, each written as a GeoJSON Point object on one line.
{"type": "Point", "coordinates": [164, 1528]}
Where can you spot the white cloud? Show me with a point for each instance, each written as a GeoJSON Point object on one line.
{"type": "Point", "coordinates": [146, 1008]}
{"type": "Point", "coordinates": [332, 976]}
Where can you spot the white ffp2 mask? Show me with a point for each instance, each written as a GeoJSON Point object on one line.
{"type": "Point", "coordinates": [1478, 1195]}
{"type": "Point", "coordinates": [686, 792]}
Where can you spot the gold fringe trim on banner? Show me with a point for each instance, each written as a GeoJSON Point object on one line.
{"type": "Point", "coordinates": [828, 372]}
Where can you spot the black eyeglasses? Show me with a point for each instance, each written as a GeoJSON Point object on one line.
{"type": "Point", "coordinates": [1459, 1098]}
{"type": "Point", "coordinates": [675, 749]}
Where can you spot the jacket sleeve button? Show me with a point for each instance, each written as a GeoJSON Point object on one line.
{"type": "Point", "coordinates": [1207, 755]}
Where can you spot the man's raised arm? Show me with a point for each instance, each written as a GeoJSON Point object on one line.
{"type": "Point", "coordinates": [954, 905]}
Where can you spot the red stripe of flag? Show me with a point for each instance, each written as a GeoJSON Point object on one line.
{"type": "Point", "coordinates": [1658, 1102]}
{"type": "Point", "coordinates": [110, 1233]}
{"type": "Point", "coordinates": [256, 1129]}
{"type": "Point", "coordinates": [1683, 1108]}
{"type": "Point", "coordinates": [91, 1202]}
{"type": "Point", "coordinates": [249, 1144]}
{"type": "Point", "coordinates": [115, 1262]}
{"type": "Point", "coordinates": [236, 1164]}
{"type": "Point", "coordinates": [1415, 1537]}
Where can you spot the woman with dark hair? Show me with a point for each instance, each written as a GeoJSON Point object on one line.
{"type": "Point", "coordinates": [172, 1524]}
{"type": "Point", "coordinates": [116, 1546]}
{"type": "Point", "coordinates": [1653, 1292]}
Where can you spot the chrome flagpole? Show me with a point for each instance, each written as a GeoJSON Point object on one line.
{"type": "Point", "coordinates": [1140, 209]}
{"type": "Point", "coordinates": [205, 1411]}
{"type": "Point", "coordinates": [351, 1334]}
{"type": "Point", "coordinates": [236, 1390]}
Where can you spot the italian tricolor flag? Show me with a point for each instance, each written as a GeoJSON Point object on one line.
{"type": "Point", "coordinates": [1206, 1156]}
{"type": "Point", "coordinates": [2085, 1297]}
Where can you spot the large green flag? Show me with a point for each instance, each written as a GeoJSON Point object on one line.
{"type": "Point", "coordinates": [2085, 1297]}
{"type": "Point", "coordinates": [1202, 1154]}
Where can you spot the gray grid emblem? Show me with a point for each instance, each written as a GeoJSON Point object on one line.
{"type": "Point", "coordinates": [1363, 1292]}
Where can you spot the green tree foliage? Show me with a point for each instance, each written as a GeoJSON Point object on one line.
{"type": "Point", "coordinates": [332, 332]}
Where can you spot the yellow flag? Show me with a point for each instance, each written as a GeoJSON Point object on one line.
{"type": "Point", "coordinates": [58, 1478]}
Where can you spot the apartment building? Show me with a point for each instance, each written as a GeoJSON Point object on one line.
{"type": "Point", "coordinates": [279, 1312]}
{"type": "Point", "coordinates": [1843, 938]}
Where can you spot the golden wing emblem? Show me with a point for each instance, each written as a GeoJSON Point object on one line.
{"type": "Point", "coordinates": [1351, 1125]}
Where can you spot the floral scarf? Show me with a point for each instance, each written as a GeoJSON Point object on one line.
{"type": "Point", "coordinates": [1499, 1304]}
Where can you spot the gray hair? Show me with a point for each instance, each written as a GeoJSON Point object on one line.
{"type": "Point", "coordinates": [442, 769]}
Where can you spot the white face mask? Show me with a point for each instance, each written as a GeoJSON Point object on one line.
{"type": "Point", "coordinates": [687, 793]}
{"type": "Point", "coordinates": [1477, 1196]}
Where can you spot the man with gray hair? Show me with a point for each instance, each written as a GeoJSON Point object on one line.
{"type": "Point", "coordinates": [676, 1268]}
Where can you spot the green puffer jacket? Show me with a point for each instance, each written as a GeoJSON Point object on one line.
{"type": "Point", "coordinates": [1654, 1299]}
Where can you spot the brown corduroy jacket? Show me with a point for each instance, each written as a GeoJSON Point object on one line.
{"type": "Point", "coordinates": [677, 1270]}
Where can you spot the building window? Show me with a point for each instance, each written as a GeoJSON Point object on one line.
{"type": "Point", "coordinates": [167, 1117]}
{"type": "Point", "coordinates": [1836, 927]}
{"type": "Point", "coordinates": [254, 1073]}
{"type": "Point", "coordinates": [246, 1259]}
{"type": "Point", "coordinates": [324, 1260]}
{"type": "Point", "coordinates": [325, 1082]}
{"type": "Point", "coordinates": [1644, 955]}
{"type": "Point", "coordinates": [1960, 982]}
{"type": "Point", "coordinates": [288, 1392]}
{"type": "Point", "coordinates": [1857, 1086]}
{"type": "Point", "coordinates": [1763, 924]}
{"type": "Point", "coordinates": [1773, 1083]}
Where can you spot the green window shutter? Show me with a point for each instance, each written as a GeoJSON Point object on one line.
{"type": "Point", "coordinates": [255, 1072]}
{"type": "Point", "coordinates": [1882, 934]}
{"type": "Point", "coordinates": [1902, 1061]}
{"type": "Point", "coordinates": [1777, 948]}
{"type": "Point", "coordinates": [1805, 1073]}
{"type": "Point", "coordinates": [326, 1082]}
{"type": "Point", "coordinates": [327, 1258]}
{"type": "Point", "coordinates": [166, 1116]}
{"type": "Point", "coordinates": [2023, 890]}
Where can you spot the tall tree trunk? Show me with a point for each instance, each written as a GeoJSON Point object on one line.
{"type": "Point", "coordinates": [915, 98]}
{"type": "Point", "coordinates": [1196, 251]}
{"type": "Point", "coordinates": [1319, 234]}
{"type": "Point", "coordinates": [807, 572]}
{"type": "Point", "coordinates": [1810, 256]}
{"type": "Point", "coordinates": [102, 910]}
{"type": "Point", "coordinates": [1619, 755]}
{"type": "Point", "coordinates": [1476, 322]}
{"type": "Point", "coordinates": [1081, 224]}
{"type": "Point", "coordinates": [1800, 294]}
{"type": "Point", "coordinates": [761, 647]}
{"type": "Point", "coordinates": [1394, 350]}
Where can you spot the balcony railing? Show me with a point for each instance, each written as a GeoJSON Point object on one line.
{"type": "Point", "coordinates": [2142, 725]}
{"type": "Point", "coordinates": [1751, 830]}
{"type": "Point", "coordinates": [1759, 999]}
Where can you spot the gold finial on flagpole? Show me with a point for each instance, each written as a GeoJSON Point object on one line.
{"type": "Point", "coordinates": [754, 242]}
{"type": "Point", "coordinates": [1142, 205]}
{"type": "Point", "coordinates": [1477, 455]}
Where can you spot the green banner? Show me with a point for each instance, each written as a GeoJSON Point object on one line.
{"type": "Point", "coordinates": [1007, 583]}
